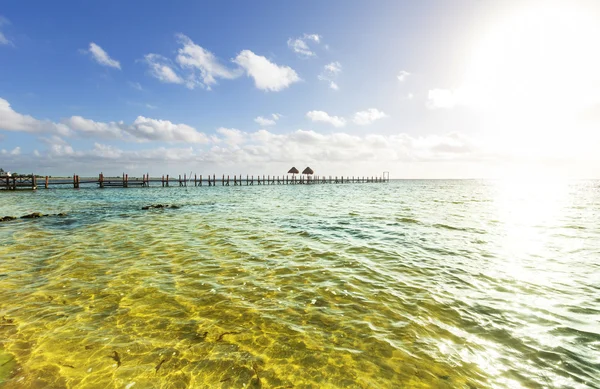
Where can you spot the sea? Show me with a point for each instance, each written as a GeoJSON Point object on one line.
{"type": "Point", "coordinates": [405, 284]}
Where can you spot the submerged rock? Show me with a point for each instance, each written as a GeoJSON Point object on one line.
{"type": "Point", "coordinates": [33, 215]}
{"type": "Point", "coordinates": [157, 206]}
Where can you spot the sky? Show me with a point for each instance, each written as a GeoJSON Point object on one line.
{"type": "Point", "coordinates": [428, 89]}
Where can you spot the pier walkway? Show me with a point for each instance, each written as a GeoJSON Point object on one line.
{"type": "Point", "coordinates": [31, 181]}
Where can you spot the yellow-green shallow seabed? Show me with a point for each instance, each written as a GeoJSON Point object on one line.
{"type": "Point", "coordinates": [406, 284]}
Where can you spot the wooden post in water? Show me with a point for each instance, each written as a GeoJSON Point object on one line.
{"type": "Point", "coordinates": [167, 180]}
{"type": "Point", "coordinates": [33, 182]}
{"type": "Point", "coordinates": [46, 183]}
{"type": "Point", "coordinates": [200, 179]}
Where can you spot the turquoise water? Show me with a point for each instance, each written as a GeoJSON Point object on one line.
{"type": "Point", "coordinates": [446, 284]}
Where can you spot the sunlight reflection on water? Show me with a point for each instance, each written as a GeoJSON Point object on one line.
{"type": "Point", "coordinates": [412, 283]}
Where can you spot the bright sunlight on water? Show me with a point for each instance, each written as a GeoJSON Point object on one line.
{"type": "Point", "coordinates": [415, 284]}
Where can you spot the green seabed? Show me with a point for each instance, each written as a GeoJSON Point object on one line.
{"type": "Point", "coordinates": [254, 287]}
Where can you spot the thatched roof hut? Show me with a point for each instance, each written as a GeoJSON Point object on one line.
{"type": "Point", "coordinates": [308, 170]}
{"type": "Point", "coordinates": [293, 170]}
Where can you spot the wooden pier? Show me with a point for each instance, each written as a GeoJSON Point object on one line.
{"type": "Point", "coordinates": [146, 181]}
{"type": "Point", "coordinates": [16, 182]}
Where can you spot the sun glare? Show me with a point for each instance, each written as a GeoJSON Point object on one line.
{"type": "Point", "coordinates": [535, 73]}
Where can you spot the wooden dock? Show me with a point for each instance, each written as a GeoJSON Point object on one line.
{"type": "Point", "coordinates": [18, 182]}
{"type": "Point", "coordinates": [146, 181]}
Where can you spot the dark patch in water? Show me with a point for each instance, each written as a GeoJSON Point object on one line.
{"type": "Point", "coordinates": [220, 338]}
{"type": "Point", "coordinates": [7, 362]}
{"type": "Point", "coordinates": [447, 227]}
{"type": "Point", "coordinates": [159, 365]}
{"type": "Point", "coordinates": [572, 227]}
{"type": "Point", "coordinates": [255, 368]}
{"type": "Point", "coordinates": [407, 220]}
{"type": "Point", "coordinates": [116, 357]}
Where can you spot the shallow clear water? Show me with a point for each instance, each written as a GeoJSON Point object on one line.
{"type": "Point", "coordinates": [447, 284]}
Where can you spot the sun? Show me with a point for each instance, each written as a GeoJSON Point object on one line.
{"type": "Point", "coordinates": [533, 74]}
{"type": "Point", "coordinates": [538, 57]}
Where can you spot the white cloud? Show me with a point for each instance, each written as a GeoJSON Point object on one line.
{"type": "Point", "coordinates": [329, 73]}
{"type": "Point", "coordinates": [89, 128]}
{"type": "Point", "coordinates": [333, 67]}
{"type": "Point", "coordinates": [3, 39]}
{"type": "Point", "coordinates": [313, 37]}
{"type": "Point", "coordinates": [403, 75]}
{"type": "Point", "coordinates": [300, 45]}
{"type": "Point", "coordinates": [102, 57]}
{"type": "Point", "coordinates": [141, 130]}
{"type": "Point", "coordinates": [14, 152]}
{"type": "Point", "coordinates": [232, 136]}
{"type": "Point", "coordinates": [267, 75]}
{"type": "Point", "coordinates": [163, 130]}
{"type": "Point", "coordinates": [151, 106]}
{"type": "Point", "coordinates": [196, 58]}
{"type": "Point", "coordinates": [195, 66]}
{"type": "Point", "coordinates": [162, 69]}
{"type": "Point", "coordinates": [321, 116]}
{"type": "Point", "coordinates": [368, 116]}
{"type": "Point", "coordinates": [14, 121]}
{"type": "Point", "coordinates": [135, 85]}
{"type": "Point", "coordinates": [106, 151]}
{"type": "Point", "coordinates": [265, 121]}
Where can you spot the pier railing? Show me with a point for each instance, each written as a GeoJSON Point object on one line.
{"type": "Point", "coordinates": [15, 182]}
{"type": "Point", "coordinates": [124, 181]}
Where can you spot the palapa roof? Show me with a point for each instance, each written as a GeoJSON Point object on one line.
{"type": "Point", "coordinates": [308, 170]}
{"type": "Point", "coordinates": [293, 170]}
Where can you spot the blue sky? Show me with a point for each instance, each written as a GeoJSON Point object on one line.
{"type": "Point", "coordinates": [348, 87]}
